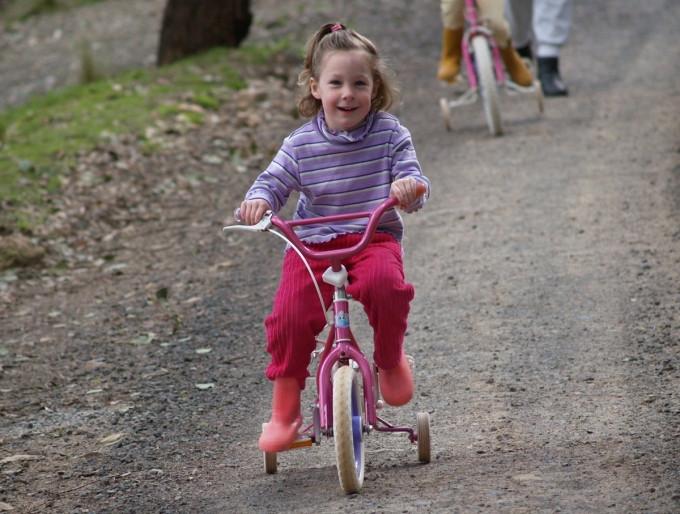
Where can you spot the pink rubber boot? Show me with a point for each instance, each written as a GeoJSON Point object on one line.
{"type": "Point", "coordinates": [282, 429]}
{"type": "Point", "coordinates": [396, 384]}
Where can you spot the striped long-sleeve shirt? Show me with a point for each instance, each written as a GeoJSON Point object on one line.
{"type": "Point", "coordinates": [338, 173]}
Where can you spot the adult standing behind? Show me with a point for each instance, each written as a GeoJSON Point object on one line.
{"type": "Point", "coordinates": [546, 24]}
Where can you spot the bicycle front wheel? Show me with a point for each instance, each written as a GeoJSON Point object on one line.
{"type": "Point", "coordinates": [348, 421]}
{"type": "Point", "coordinates": [487, 84]}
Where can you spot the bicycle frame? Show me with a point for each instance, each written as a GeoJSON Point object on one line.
{"type": "Point", "coordinates": [475, 27]}
{"type": "Point", "coordinates": [341, 346]}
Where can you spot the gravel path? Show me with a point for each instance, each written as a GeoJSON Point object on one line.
{"type": "Point", "coordinates": [546, 326]}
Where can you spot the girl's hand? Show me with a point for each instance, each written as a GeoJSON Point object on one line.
{"type": "Point", "coordinates": [406, 191]}
{"type": "Point", "coordinates": [253, 210]}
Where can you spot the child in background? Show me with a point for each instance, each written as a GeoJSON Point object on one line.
{"type": "Point", "coordinates": [349, 157]}
{"type": "Point", "coordinates": [452, 35]}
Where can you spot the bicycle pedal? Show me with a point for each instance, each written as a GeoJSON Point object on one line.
{"type": "Point", "coordinates": [301, 442]}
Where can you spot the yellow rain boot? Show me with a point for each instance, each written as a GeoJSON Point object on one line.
{"type": "Point", "coordinates": [518, 71]}
{"type": "Point", "coordinates": [282, 429]}
{"type": "Point", "coordinates": [449, 65]}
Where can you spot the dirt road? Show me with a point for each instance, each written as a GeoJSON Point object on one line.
{"type": "Point", "coordinates": [545, 329]}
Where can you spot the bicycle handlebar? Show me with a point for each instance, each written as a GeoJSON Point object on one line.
{"type": "Point", "coordinates": [336, 256]}
{"type": "Point", "coordinates": [339, 254]}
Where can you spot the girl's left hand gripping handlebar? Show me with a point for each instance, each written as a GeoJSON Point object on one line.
{"type": "Point", "coordinates": [261, 226]}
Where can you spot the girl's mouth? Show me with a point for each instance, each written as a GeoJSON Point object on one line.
{"type": "Point", "coordinates": [346, 109]}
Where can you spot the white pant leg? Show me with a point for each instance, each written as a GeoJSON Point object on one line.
{"type": "Point", "coordinates": [551, 24]}
{"type": "Point", "coordinates": [519, 14]}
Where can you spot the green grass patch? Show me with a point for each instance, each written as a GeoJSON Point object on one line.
{"type": "Point", "coordinates": [20, 10]}
{"type": "Point", "coordinates": [40, 140]}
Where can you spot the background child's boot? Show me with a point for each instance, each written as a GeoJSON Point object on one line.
{"type": "Point", "coordinates": [282, 429]}
{"type": "Point", "coordinates": [449, 65]}
{"type": "Point", "coordinates": [396, 384]}
{"type": "Point", "coordinates": [518, 71]}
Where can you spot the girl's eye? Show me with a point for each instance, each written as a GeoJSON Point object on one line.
{"type": "Point", "coordinates": [335, 82]}
{"type": "Point", "coordinates": [361, 83]}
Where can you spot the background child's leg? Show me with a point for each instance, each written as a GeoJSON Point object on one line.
{"type": "Point", "coordinates": [295, 320]}
{"type": "Point", "coordinates": [492, 12]}
{"type": "Point", "coordinates": [452, 14]}
{"type": "Point", "coordinates": [377, 280]}
{"type": "Point", "coordinates": [452, 32]}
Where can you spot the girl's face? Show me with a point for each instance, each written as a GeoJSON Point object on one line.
{"type": "Point", "coordinates": [345, 88]}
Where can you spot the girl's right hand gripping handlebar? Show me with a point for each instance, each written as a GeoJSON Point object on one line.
{"type": "Point", "coordinates": [286, 227]}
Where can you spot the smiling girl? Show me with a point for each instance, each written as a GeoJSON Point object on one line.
{"type": "Point", "coordinates": [348, 158]}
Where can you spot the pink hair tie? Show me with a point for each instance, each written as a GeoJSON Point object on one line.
{"type": "Point", "coordinates": [337, 26]}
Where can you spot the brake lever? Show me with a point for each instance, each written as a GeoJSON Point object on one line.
{"type": "Point", "coordinates": [261, 226]}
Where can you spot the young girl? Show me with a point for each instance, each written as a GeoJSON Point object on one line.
{"type": "Point", "coordinates": [350, 157]}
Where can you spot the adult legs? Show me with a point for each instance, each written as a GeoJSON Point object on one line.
{"type": "Point", "coordinates": [551, 25]}
{"type": "Point", "coordinates": [519, 13]}
{"type": "Point", "coordinates": [547, 23]}
{"type": "Point", "coordinates": [552, 22]}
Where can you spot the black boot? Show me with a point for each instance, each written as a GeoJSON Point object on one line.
{"type": "Point", "coordinates": [525, 51]}
{"type": "Point", "coordinates": [549, 75]}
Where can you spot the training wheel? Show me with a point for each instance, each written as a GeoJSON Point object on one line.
{"type": "Point", "coordinates": [446, 113]}
{"type": "Point", "coordinates": [423, 433]}
{"type": "Point", "coordinates": [269, 462]}
{"type": "Point", "coordinates": [539, 96]}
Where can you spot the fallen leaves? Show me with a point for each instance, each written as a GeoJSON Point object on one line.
{"type": "Point", "coordinates": [18, 458]}
{"type": "Point", "coordinates": [143, 339]}
{"type": "Point", "coordinates": [112, 438]}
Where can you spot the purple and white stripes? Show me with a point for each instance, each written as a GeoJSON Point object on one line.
{"type": "Point", "coordinates": [338, 173]}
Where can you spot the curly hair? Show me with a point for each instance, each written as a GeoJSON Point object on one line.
{"type": "Point", "coordinates": [332, 37]}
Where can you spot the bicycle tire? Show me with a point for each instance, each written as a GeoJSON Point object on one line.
{"type": "Point", "coordinates": [487, 84]}
{"type": "Point", "coordinates": [270, 462]}
{"type": "Point", "coordinates": [423, 433]}
{"type": "Point", "coordinates": [348, 418]}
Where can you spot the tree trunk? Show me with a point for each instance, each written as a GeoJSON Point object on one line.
{"type": "Point", "coordinates": [192, 26]}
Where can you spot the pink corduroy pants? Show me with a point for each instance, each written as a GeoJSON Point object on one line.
{"type": "Point", "coordinates": [376, 279]}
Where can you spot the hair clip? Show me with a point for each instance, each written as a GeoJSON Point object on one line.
{"type": "Point", "coordinates": [337, 26]}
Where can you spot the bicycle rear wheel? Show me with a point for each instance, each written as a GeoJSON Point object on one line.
{"type": "Point", "coordinates": [348, 422]}
{"type": "Point", "coordinates": [487, 84]}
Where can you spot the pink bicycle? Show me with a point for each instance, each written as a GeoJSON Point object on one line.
{"type": "Point", "coordinates": [485, 74]}
{"type": "Point", "coordinates": [347, 391]}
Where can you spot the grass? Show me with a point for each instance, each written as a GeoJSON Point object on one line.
{"type": "Point", "coordinates": [20, 10]}
{"type": "Point", "coordinates": [40, 140]}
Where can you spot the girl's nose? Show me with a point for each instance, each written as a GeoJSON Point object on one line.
{"type": "Point", "coordinates": [347, 92]}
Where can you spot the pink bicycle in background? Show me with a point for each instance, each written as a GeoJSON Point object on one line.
{"type": "Point", "coordinates": [347, 391]}
{"type": "Point", "coordinates": [485, 74]}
